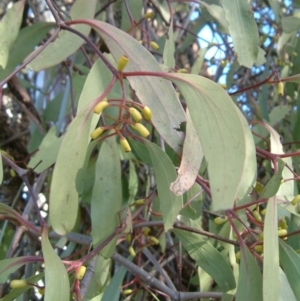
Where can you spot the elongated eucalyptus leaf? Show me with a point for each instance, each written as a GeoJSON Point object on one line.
{"type": "Point", "coordinates": [271, 253]}
{"type": "Point", "coordinates": [9, 266]}
{"type": "Point", "coordinates": [290, 24]}
{"type": "Point", "coordinates": [190, 162]}
{"type": "Point", "coordinates": [27, 39]}
{"type": "Point", "coordinates": [243, 30]}
{"type": "Point", "coordinates": [106, 195]}
{"type": "Point", "coordinates": [220, 125]}
{"type": "Point", "coordinates": [165, 174]}
{"type": "Point", "coordinates": [66, 43]}
{"type": "Point", "coordinates": [56, 277]}
{"type": "Point", "coordinates": [285, 290]}
{"type": "Point", "coordinates": [1, 168]}
{"type": "Point", "coordinates": [9, 29]}
{"type": "Point", "coordinates": [65, 183]}
{"type": "Point", "coordinates": [290, 262]}
{"type": "Point", "coordinates": [208, 258]}
{"type": "Point", "coordinates": [156, 93]}
{"type": "Point", "coordinates": [250, 278]}
{"type": "Point", "coordinates": [169, 50]}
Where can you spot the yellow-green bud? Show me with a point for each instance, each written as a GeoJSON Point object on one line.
{"type": "Point", "coordinates": [259, 187]}
{"type": "Point", "coordinates": [259, 248]}
{"type": "Point", "coordinates": [154, 240]}
{"type": "Point", "coordinates": [296, 200]}
{"type": "Point", "coordinates": [263, 212]}
{"type": "Point", "coordinates": [123, 60]}
{"type": "Point", "coordinates": [257, 216]}
{"type": "Point", "coordinates": [261, 236]}
{"type": "Point", "coordinates": [96, 132]}
{"type": "Point", "coordinates": [147, 113]}
{"type": "Point", "coordinates": [283, 223]}
{"type": "Point", "coordinates": [149, 15]}
{"type": "Point", "coordinates": [238, 255]}
{"type": "Point", "coordinates": [183, 70]}
{"type": "Point", "coordinates": [101, 106]}
{"type": "Point", "coordinates": [127, 292]}
{"type": "Point", "coordinates": [136, 115]}
{"type": "Point", "coordinates": [154, 46]}
{"type": "Point", "coordinates": [146, 231]}
{"type": "Point", "coordinates": [131, 251]}
{"type": "Point", "coordinates": [41, 290]}
{"type": "Point", "coordinates": [139, 202]}
{"type": "Point", "coordinates": [18, 283]}
{"type": "Point", "coordinates": [125, 145]}
{"type": "Point", "coordinates": [282, 232]}
{"type": "Point", "coordinates": [141, 129]}
{"type": "Point", "coordinates": [128, 237]}
{"type": "Point", "coordinates": [220, 220]}
{"type": "Point", "coordinates": [80, 272]}
{"type": "Point", "coordinates": [280, 88]}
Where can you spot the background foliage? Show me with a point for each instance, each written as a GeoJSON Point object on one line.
{"type": "Point", "coordinates": [202, 204]}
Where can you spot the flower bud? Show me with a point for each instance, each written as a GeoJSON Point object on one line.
{"type": "Point", "coordinates": [257, 216]}
{"type": "Point", "coordinates": [139, 202]}
{"type": "Point", "coordinates": [131, 251]}
{"type": "Point", "coordinates": [220, 220]}
{"type": "Point", "coordinates": [154, 46]}
{"type": "Point", "coordinates": [127, 292]}
{"type": "Point", "coordinates": [147, 113]}
{"type": "Point", "coordinates": [282, 232]}
{"type": "Point", "coordinates": [136, 115]}
{"type": "Point", "coordinates": [296, 200]}
{"type": "Point", "coordinates": [80, 272]}
{"type": "Point", "coordinates": [125, 145]}
{"type": "Point", "coordinates": [259, 248]}
{"type": "Point", "coordinates": [149, 15]}
{"type": "Point", "coordinates": [261, 236]}
{"type": "Point", "coordinates": [128, 237]}
{"type": "Point", "coordinates": [41, 290]}
{"type": "Point", "coordinates": [259, 187]}
{"type": "Point", "coordinates": [18, 283]}
{"type": "Point", "coordinates": [123, 60]}
{"type": "Point", "coordinates": [146, 231]}
{"type": "Point", "coordinates": [283, 223]}
{"type": "Point", "coordinates": [154, 240]}
{"type": "Point", "coordinates": [101, 106]}
{"type": "Point", "coordinates": [238, 255]}
{"type": "Point", "coordinates": [183, 70]}
{"type": "Point", "coordinates": [97, 132]}
{"type": "Point", "coordinates": [280, 88]}
{"type": "Point", "coordinates": [141, 129]}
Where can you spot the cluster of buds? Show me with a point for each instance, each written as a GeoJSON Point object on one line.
{"type": "Point", "coordinates": [18, 283]}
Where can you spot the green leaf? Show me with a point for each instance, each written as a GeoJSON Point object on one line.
{"type": "Point", "coordinates": [1, 168]}
{"type": "Point", "coordinates": [106, 195]}
{"type": "Point", "coordinates": [9, 29]}
{"type": "Point", "coordinates": [165, 174]}
{"type": "Point", "coordinates": [243, 30]}
{"type": "Point", "coordinates": [250, 278]}
{"type": "Point", "coordinates": [156, 93]}
{"type": "Point", "coordinates": [271, 253]}
{"type": "Point", "coordinates": [47, 152]}
{"type": "Point", "coordinates": [208, 258]}
{"type": "Point", "coordinates": [199, 61]}
{"type": "Point", "coordinates": [67, 42]}
{"type": "Point", "coordinates": [290, 24]}
{"type": "Point", "coordinates": [190, 161]}
{"type": "Point", "coordinates": [278, 113]}
{"type": "Point", "coordinates": [112, 292]}
{"type": "Point", "coordinates": [220, 125]}
{"type": "Point", "coordinates": [64, 198]}
{"type": "Point", "coordinates": [290, 262]}
{"type": "Point", "coordinates": [169, 50]}
{"type": "Point", "coordinates": [56, 277]}
{"type": "Point", "coordinates": [285, 290]}
{"type": "Point", "coordinates": [273, 185]}
{"type": "Point", "coordinates": [27, 39]}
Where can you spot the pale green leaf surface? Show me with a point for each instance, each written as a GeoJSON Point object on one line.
{"type": "Point", "coordinates": [190, 161]}
{"type": "Point", "coordinates": [208, 258]}
{"type": "Point", "coordinates": [220, 125]}
{"type": "Point", "coordinates": [135, 8]}
{"type": "Point", "coordinates": [250, 278]}
{"type": "Point", "coordinates": [67, 42]}
{"type": "Point", "coordinates": [56, 277]}
{"type": "Point", "coordinates": [278, 113]}
{"type": "Point", "coordinates": [283, 39]}
{"type": "Point", "coordinates": [156, 93]}
{"type": "Point", "coordinates": [243, 30]}
{"type": "Point", "coordinates": [290, 262]}
{"type": "Point", "coordinates": [64, 198]}
{"type": "Point", "coordinates": [290, 24]}
{"type": "Point", "coordinates": [106, 195]}
{"type": "Point", "coordinates": [47, 152]}
{"type": "Point", "coordinates": [27, 39]}
{"type": "Point", "coordinates": [285, 290]}
{"type": "Point", "coordinates": [271, 253]}
{"type": "Point", "coordinates": [274, 183]}
{"type": "Point", "coordinates": [169, 50]}
{"type": "Point", "coordinates": [165, 174]}
{"type": "Point", "coordinates": [9, 29]}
